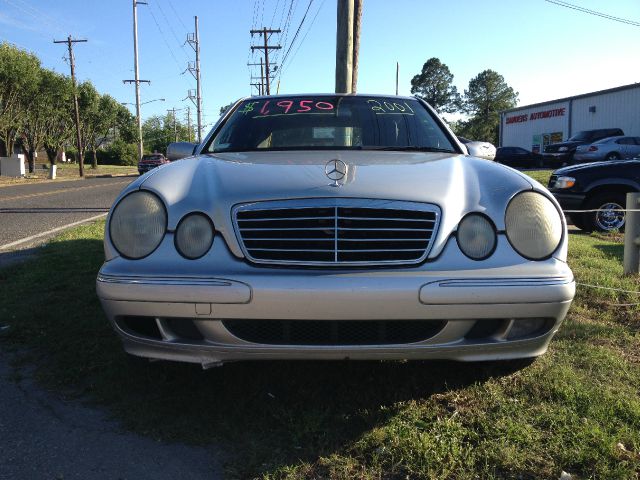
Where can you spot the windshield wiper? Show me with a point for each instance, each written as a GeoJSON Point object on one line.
{"type": "Point", "coordinates": [409, 148]}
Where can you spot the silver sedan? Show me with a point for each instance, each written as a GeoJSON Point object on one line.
{"type": "Point", "coordinates": [479, 149]}
{"type": "Point", "coordinates": [334, 227]}
{"type": "Point", "coordinates": [611, 148]}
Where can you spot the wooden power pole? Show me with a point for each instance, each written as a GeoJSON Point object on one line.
{"type": "Point", "coordinates": [357, 22]}
{"type": "Point", "coordinates": [266, 47]}
{"type": "Point", "coordinates": [69, 41]}
{"type": "Point", "coordinates": [344, 46]}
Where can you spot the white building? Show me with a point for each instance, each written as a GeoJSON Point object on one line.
{"type": "Point", "coordinates": [534, 126]}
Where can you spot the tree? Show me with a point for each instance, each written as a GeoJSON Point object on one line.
{"type": "Point", "coordinates": [224, 109]}
{"type": "Point", "coordinates": [434, 85]}
{"type": "Point", "coordinates": [59, 119]}
{"type": "Point", "coordinates": [19, 73]}
{"type": "Point", "coordinates": [125, 127]}
{"type": "Point", "coordinates": [99, 124]}
{"type": "Point", "coordinates": [47, 116]}
{"type": "Point", "coordinates": [158, 132]}
{"type": "Point", "coordinates": [487, 96]}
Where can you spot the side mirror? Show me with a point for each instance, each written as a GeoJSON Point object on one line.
{"type": "Point", "coordinates": [178, 150]}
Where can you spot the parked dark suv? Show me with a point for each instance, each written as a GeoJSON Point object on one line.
{"type": "Point", "coordinates": [557, 154]}
{"type": "Point", "coordinates": [601, 186]}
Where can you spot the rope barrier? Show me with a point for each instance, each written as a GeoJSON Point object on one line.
{"type": "Point", "coordinates": [607, 288]}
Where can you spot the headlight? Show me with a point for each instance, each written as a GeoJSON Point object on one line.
{"type": "Point", "coordinates": [138, 224]}
{"type": "Point", "coordinates": [476, 236]}
{"type": "Point", "coordinates": [194, 236]}
{"type": "Point", "coordinates": [563, 149]}
{"type": "Point", "coordinates": [564, 182]}
{"type": "Point", "coordinates": [533, 225]}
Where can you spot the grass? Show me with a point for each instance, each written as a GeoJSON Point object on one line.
{"type": "Point", "coordinates": [368, 420]}
{"type": "Point", "coordinates": [68, 172]}
{"type": "Point", "coordinates": [541, 176]}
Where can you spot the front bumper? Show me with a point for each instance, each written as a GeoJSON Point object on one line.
{"type": "Point", "coordinates": [569, 201]}
{"type": "Point", "coordinates": [145, 167]}
{"type": "Point", "coordinates": [557, 159]}
{"type": "Point", "coordinates": [462, 299]}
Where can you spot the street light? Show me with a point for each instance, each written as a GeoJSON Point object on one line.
{"type": "Point", "coordinates": [143, 103]}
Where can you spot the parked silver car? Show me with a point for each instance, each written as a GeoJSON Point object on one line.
{"type": "Point", "coordinates": [334, 227]}
{"type": "Point", "coordinates": [610, 148]}
{"type": "Point", "coordinates": [479, 149]}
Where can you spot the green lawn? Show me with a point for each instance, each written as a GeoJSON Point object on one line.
{"type": "Point", "coordinates": [370, 420]}
{"type": "Point", "coordinates": [68, 172]}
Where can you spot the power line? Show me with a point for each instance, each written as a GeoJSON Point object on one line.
{"type": "Point", "coordinates": [293, 41]}
{"type": "Point", "coordinates": [181, 45]}
{"type": "Point", "coordinates": [287, 24]}
{"type": "Point", "coordinates": [593, 12]}
{"type": "Point", "coordinates": [164, 39]}
{"type": "Point", "coordinates": [303, 38]}
{"type": "Point", "coordinates": [177, 16]}
{"type": "Point", "coordinates": [53, 28]}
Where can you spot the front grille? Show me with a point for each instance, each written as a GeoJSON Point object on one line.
{"type": "Point", "coordinates": [334, 332]}
{"type": "Point", "coordinates": [552, 181]}
{"type": "Point", "coordinates": [336, 231]}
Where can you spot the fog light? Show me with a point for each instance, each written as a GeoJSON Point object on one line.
{"type": "Point", "coordinates": [524, 327]}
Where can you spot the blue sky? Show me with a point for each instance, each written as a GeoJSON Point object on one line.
{"type": "Point", "coordinates": [544, 51]}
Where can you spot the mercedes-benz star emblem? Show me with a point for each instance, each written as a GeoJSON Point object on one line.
{"type": "Point", "coordinates": [335, 170]}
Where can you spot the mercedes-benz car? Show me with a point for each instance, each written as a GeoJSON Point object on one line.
{"type": "Point", "coordinates": [334, 227]}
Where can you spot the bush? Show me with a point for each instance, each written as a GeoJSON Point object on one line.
{"type": "Point", "coordinates": [118, 153]}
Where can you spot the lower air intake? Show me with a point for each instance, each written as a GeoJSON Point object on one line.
{"type": "Point", "coordinates": [334, 332]}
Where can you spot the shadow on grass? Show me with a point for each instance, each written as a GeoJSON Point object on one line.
{"type": "Point", "coordinates": [615, 252]}
{"type": "Point", "coordinates": [270, 414]}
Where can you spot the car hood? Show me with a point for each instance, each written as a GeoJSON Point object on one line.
{"type": "Point", "coordinates": [555, 146]}
{"type": "Point", "coordinates": [214, 184]}
{"type": "Point", "coordinates": [572, 169]}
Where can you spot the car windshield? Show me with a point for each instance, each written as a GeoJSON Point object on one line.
{"type": "Point", "coordinates": [330, 122]}
{"type": "Point", "coordinates": [581, 136]}
{"type": "Point", "coordinates": [152, 157]}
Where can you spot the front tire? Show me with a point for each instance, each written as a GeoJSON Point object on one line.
{"type": "Point", "coordinates": [608, 217]}
{"type": "Point", "coordinates": [613, 156]}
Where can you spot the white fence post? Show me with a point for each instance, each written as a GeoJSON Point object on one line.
{"type": "Point", "coordinates": [631, 263]}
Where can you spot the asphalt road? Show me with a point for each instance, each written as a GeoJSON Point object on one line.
{"type": "Point", "coordinates": [28, 210]}
{"type": "Point", "coordinates": [41, 434]}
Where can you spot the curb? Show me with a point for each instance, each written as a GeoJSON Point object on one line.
{"type": "Point", "coordinates": [112, 175]}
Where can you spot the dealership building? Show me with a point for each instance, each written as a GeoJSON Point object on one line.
{"type": "Point", "coordinates": [534, 126]}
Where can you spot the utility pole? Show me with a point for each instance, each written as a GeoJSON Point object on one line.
{"type": "Point", "coordinates": [264, 32]}
{"type": "Point", "coordinates": [357, 23]}
{"type": "Point", "coordinates": [397, 75]}
{"type": "Point", "coordinates": [194, 40]}
{"type": "Point", "coordinates": [261, 86]}
{"type": "Point", "coordinates": [175, 126]}
{"type": "Point", "coordinates": [137, 80]}
{"type": "Point", "coordinates": [189, 123]}
{"type": "Point", "coordinates": [261, 77]}
{"type": "Point", "coordinates": [69, 41]}
{"type": "Point", "coordinates": [344, 46]}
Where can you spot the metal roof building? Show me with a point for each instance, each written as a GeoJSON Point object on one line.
{"type": "Point", "coordinates": [534, 126]}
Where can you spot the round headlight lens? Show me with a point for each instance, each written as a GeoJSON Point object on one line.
{"type": "Point", "coordinates": [534, 225]}
{"type": "Point", "coordinates": [194, 236]}
{"type": "Point", "coordinates": [138, 224]}
{"type": "Point", "coordinates": [476, 236]}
